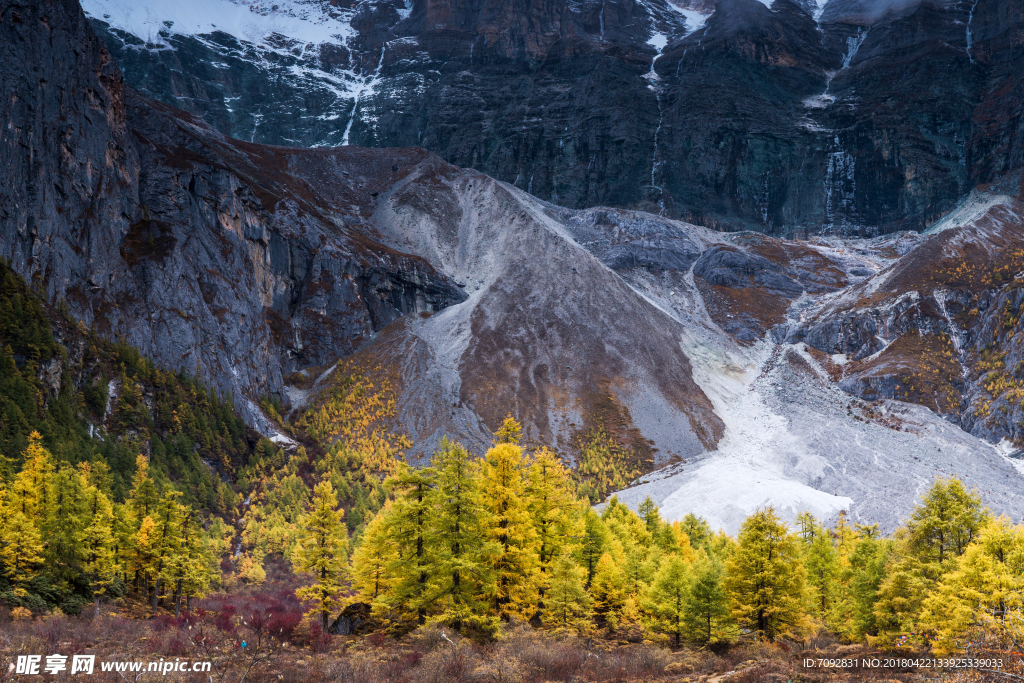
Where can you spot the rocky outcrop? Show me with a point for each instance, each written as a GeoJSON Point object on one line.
{"type": "Point", "coordinates": [205, 253]}
{"type": "Point", "coordinates": [939, 326]}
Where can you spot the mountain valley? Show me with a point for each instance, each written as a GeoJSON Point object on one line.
{"type": "Point", "coordinates": [825, 353]}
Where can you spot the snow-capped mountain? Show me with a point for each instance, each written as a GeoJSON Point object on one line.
{"type": "Point", "coordinates": [851, 117]}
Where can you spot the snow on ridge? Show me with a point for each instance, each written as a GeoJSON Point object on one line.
{"type": "Point", "coordinates": [147, 19]}
{"type": "Point", "coordinates": [969, 211]}
{"type": "Point", "coordinates": [658, 41]}
{"type": "Point", "coordinates": [694, 20]}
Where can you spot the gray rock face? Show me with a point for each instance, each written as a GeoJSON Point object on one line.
{"type": "Point", "coordinates": [244, 262]}
{"type": "Point", "coordinates": [68, 168]}
{"type": "Point", "coordinates": [939, 326]}
{"type": "Point", "coordinates": [208, 255]}
{"type": "Point", "coordinates": [626, 239]}
{"type": "Point", "coordinates": [866, 118]}
{"type": "Point", "coordinates": [729, 267]}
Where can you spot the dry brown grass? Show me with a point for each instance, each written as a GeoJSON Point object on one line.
{"type": "Point", "coordinates": [297, 652]}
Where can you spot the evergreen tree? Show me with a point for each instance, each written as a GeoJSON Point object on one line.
{"type": "Point", "coordinates": [567, 603]}
{"type": "Point", "coordinates": [372, 558]}
{"type": "Point", "coordinates": [553, 510]}
{"type": "Point", "coordinates": [706, 617]}
{"type": "Point", "coordinates": [124, 531]}
{"type": "Point", "coordinates": [595, 542]}
{"type": "Point", "coordinates": [648, 512]}
{"type": "Point", "coordinates": [855, 591]}
{"type": "Point", "coordinates": [192, 568]}
{"type": "Point", "coordinates": [503, 494]}
{"type": "Point", "coordinates": [509, 432]}
{"type": "Point", "coordinates": [408, 527]}
{"type": "Point", "coordinates": [899, 598]}
{"type": "Point", "coordinates": [321, 552]}
{"type": "Point", "coordinates": [143, 496]}
{"type": "Point", "coordinates": [984, 592]}
{"type": "Point", "coordinates": [822, 563]}
{"type": "Point", "coordinates": [99, 545]}
{"type": "Point", "coordinates": [461, 580]}
{"type": "Point", "coordinates": [168, 518]}
{"type": "Point", "coordinates": [944, 523]}
{"type": "Point", "coordinates": [63, 526]}
{"type": "Point", "coordinates": [698, 530]}
{"type": "Point", "coordinates": [21, 550]}
{"type": "Point", "coordinates": [608, 590]}
{"type": "Point", "coordinates": [765, 577]}
{"type": "Point", "coordinates": [666, 600]}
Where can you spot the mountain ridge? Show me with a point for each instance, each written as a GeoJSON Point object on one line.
{"type": "Point", "coordinates": [789, 119]}
{"type": "Point", "coordinates": [712, 356]}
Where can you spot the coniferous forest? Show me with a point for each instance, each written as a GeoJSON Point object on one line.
{"type": "Point", "coordinates": [135, 495]}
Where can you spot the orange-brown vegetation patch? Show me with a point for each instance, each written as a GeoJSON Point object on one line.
{"type": "Point", "coordinates": [989, 255]}
{"type": "Point", "coordinates": [923, 367]}
{"type": "Point", "coordinates": [749, 307]}
{"type": "Point", "coordinates": [834, 370]}
{"type": "Point", "coordinates": [815, 269]}
{"type": "Point", "coordinates": [281, 643]}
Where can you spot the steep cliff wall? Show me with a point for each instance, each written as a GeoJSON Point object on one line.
{"type": "Point", "coordinates": [201, 251]}
{"type": "Point", "coordinates": [848, 117]}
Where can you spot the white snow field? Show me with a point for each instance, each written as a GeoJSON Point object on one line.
{"type": "Point", "coordinates": [252, 21]}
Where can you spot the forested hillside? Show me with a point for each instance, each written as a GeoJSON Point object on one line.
{"type": "Point", "coordinates": [94, 441]}
{"type": "Point", "coordinates": [475, 543]}
{"type": "Point", "coordinates": [101, 402]}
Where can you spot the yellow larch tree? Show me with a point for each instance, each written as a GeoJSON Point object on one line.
{"type": "Point", "coordinates": [503, 494]}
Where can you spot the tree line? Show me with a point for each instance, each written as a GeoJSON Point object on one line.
{"type": "Point", "coordinates": [64, 541]}
{"type": "Point", "coordinates": [471, 542]}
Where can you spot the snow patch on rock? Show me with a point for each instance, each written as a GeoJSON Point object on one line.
{"type": "Point", "coordinates": [253, 21]}
{"type": "Point", "coordinates": [969, 211]}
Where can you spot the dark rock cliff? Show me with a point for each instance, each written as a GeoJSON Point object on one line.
{"type": "Point", "coordinates": [870, 118]}
{"type": "Point", "coordinates": [206, 253]}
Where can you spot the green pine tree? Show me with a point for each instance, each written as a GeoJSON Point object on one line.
{"type": "Point", "coordinates": [408, 527]}
{"type": "Point", "coordinates": [99, 545]}
{"type": "Point", "coordinates": [944, 524]}
{"type": "Point", "coordinates": [567, 603]}
{"type": "Point", "coordinates": [706, 618]}
{"type": "Point", "coordinates": [321, 552]}
{"type": "Point", "coordinates": [765, 578]}
{"type": "Point", "coordinates": [595, 543]}
{"type": "Point", "coordinates": [554, 511]}
{"type": "Point", "coordinates": [822, 563]}
{"type": "Point", "coordinates": [461, 582]}
{"type": "Point", "coordinates": [372, 557]}
{"type": "Point", "coordinates": [666, 599]}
